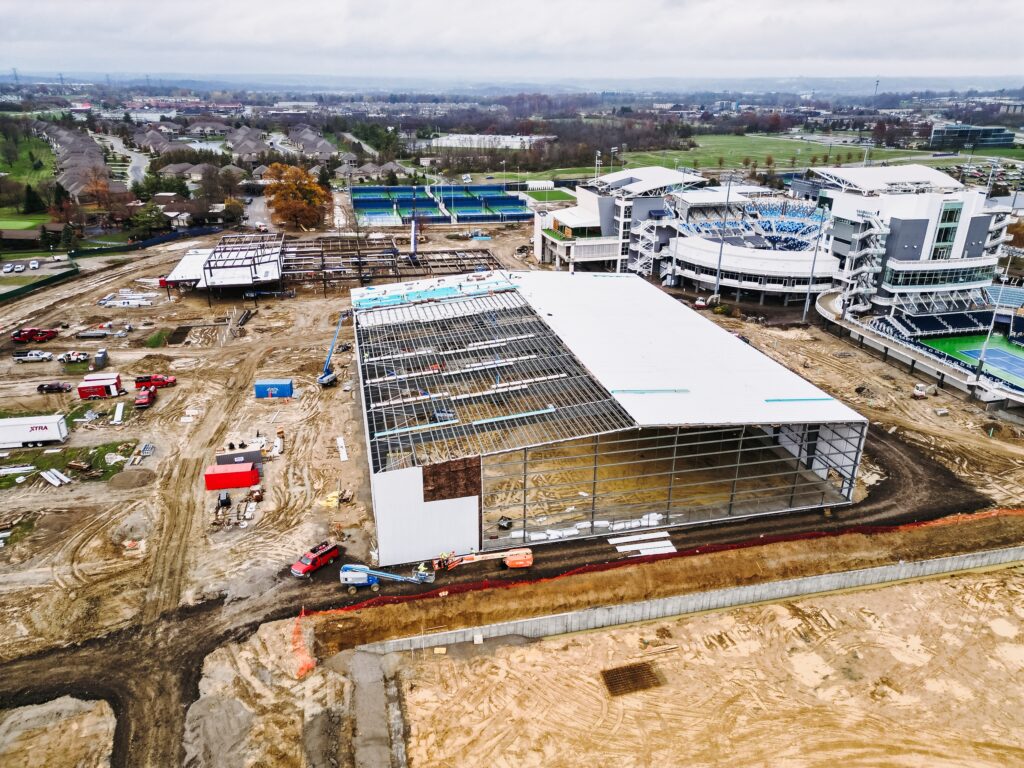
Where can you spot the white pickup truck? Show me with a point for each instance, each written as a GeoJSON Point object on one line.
{"type": "Point", "coordinates": [32, 356]}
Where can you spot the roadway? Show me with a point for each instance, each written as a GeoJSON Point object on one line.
{"type": "Point", "coordinates": [139, 162]}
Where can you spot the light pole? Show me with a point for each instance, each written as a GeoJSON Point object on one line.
{"type": "Point", "coordinates": [814, 262]}
{"type": "Point", "coordinates": [970, 155]}
{"type": "Point", "coordinates": [721, 238]}
{"type": "Point", "coordinates": [991, 326]}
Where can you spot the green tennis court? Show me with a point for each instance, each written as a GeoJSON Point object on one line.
{"type": "Point", "coordinates": [1002, 359]}
{"type": "Point", "coordinates": [549, 195]}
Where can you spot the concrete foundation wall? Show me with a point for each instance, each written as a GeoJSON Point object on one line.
{"type": "Point", "coordinates": [607, 616]}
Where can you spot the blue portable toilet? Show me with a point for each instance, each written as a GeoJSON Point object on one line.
{"type": "Point", "coordinates": [273, 388]}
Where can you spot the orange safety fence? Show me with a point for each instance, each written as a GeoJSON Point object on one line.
{"type": "Point", "coordinates": [306, 662]}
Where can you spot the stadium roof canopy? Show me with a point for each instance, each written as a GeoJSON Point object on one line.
{"type": "Point", "coordinates": [477, 364]}
{"type": "Point", "coordinates": [889, 179]}
{"type": "Point", "coordinates": [577, 216]}
{"type": "Point", "coordinates": [649, 180]}
{"type": "Point", "coordinates": [710, 196]}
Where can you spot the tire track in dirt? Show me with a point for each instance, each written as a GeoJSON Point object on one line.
{"type": "Point", "coordinates": [182, 499]}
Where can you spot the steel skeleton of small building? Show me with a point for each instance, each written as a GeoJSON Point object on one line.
{"type": "Point", "coordinates": [503, 409]}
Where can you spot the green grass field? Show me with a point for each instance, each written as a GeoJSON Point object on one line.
{"type": "Point", "coordinates": [958, 346]}
{"type": "Point", "coordinates": [22, 171]}
{"type": "Point", "coordinates": [11, 219]}
{"type": "Point", "coordinates": [785, 153]}
{"type": "Point", "coordinates": [549, 195]}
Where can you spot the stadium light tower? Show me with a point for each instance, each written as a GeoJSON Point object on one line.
{"type": "Point", "coordinates": [721, 239]}
{"type": "Point", "coordinates": [814, 262]}
{"type": "Point", "coordinates": [991, 326]}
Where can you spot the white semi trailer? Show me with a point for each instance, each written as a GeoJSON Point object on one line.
{"type": "Point", "coordinates": [29, 431]}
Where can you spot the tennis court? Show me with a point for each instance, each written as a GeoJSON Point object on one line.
{"type": "Point", "coordinates": [549, 195]}
{"type": "Point", "coordinates": [1002, 359]}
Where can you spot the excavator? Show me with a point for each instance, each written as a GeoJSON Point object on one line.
{"type": "Point", "coordinates": [512, 558]}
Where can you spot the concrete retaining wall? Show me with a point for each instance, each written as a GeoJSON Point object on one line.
{"type": "Point", "coordinates": [596, 618]}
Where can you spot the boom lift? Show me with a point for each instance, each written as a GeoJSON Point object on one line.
{"type": "Point", "coordinates": [329, 378]}
{"type": "Point", "coordinates": [513, 558]}
{"type": "Point", "coordinates": [354, 576]}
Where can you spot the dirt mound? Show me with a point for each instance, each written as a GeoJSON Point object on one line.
{"type": "Point", "coordinates": [132, 478]}
{"type": "Point", "coordinates": [153, 360]}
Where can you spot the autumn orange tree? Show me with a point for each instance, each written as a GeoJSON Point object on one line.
{"type": "Point", "coordinates": [295, 196]}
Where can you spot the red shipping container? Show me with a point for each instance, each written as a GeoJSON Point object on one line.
{"type": "Point", "coordinates": [220, 477]}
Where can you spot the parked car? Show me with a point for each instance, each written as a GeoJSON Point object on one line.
{"type": "Point", "coordinates": [73, 357]}
{"type": "Point", "coordinates": [33, 264]}
{"type": "Point", "coordinates": [19, 267]}
{"type": "Point", "coordinates": [32, 356]}
{"type": "Point", "coordinates": [8, 268]}
{"type": "Point", "coordinates": [700, 304]}
{"type": "Point", "coordinates": [319, 556]}
{"type": "Point", "coordinates": [54, 386]}
{"type": "Point", "coordinates": [157, 380]}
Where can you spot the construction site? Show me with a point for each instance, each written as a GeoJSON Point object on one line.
{"type": "Point", "coordinates": [508, 407]}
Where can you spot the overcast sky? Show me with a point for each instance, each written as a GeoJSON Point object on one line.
{"type": "Point", "coordinates": [516, 39]}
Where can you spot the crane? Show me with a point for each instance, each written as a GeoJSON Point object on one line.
{"type": "Point", "coordinates": [329, 378]}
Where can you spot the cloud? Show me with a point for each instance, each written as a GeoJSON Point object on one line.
{"type": "Point", "coordinates": [489, 39]}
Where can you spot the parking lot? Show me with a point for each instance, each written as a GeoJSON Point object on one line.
{"type": "Point", "coordinates": [18, 266]}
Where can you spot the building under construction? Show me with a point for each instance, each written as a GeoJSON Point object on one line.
{"type": "Point", "coordinates": [268, 261]}
{"type": "Point", "coordinates": [504, 409]}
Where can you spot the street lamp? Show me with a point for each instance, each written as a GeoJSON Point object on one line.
{"type": "Point", "coordinates": [992, 324]}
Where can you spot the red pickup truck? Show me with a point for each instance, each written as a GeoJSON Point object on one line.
{"type": "Point", "coordinates": [145, 398]}
{"type": "Point", "coordinates": [157, 380]}
{"type": "Point", "coordinates": [319, 556]}
{"type": "Point", "coordinates": [33, 335]}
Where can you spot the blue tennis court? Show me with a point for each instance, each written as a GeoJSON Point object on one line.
{"type": "Point", "coordinates": [999, 358]}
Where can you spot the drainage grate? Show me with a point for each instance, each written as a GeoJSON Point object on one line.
{"type": "Point", "coordinates": [631, 678]}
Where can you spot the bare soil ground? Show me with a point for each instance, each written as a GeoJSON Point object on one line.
{"type": "Point", "coordinates": [63, 733]}
{"type": "Point", "coordinates": [917, 674]}
{"type": "Point", "coordinates": [254, 710]}
{"type": "Point", "coordinates": [120, 590]}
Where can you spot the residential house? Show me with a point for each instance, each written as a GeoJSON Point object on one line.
{"type": "Point", "coordinates": [179, 170]}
